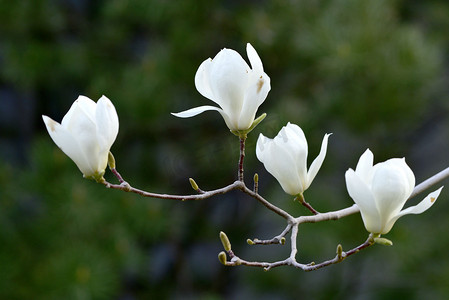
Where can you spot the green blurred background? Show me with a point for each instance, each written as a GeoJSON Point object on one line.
{"type": "Point", "coordinates": [372, 72]}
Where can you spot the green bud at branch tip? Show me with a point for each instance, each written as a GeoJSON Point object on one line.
{"type": "Point", "coordinates": [222, 257]}
{"type": "Point", "coordinates": [225, 241]}
{"type": "Point", "coordinates": [282, 241]}
{"type": "Point", "coordinates": [193, 184]}
{"type": "Point", "coordinates": [111, 160]}
{"type": "Point", "coordinates": [256, 178]}
{"type": "Point", "coordinates": [383, 241]}
{"type": "Point", "coordinates": [250, 242]}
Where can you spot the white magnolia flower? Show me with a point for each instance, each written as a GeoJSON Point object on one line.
{"type": "Point", "coordinates": [233, 85]}
{"type": "Point", "coordinates": [86, 134]}
{"type": "Point", "coordinates": [285, 157]}
{"type": "Point", "coordinates": [380, 192]}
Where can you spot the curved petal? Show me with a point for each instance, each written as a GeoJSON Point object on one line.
{"type": "Point", "coordinates": [195, 111]}
{"type": "Point", "coordinates": [316, 164]}
{"type": "Point", "coordinates": [107, 123]}
{"type": "Point", "coordinates": [278, 162]}
{"type": "Point", "coordinates": [296, 142]}
{"type": "Point", "coordinates": [292, 138]}
{"type": "Point", "coordinates": [363, 197]}
{"type": "Point", "coordinates": [82, 105]}
{"type": "Point", "coordinates": [364, 166]}
{"type": "Point", "coordinates": [421, 207]}
{"type": "Point", "coordinates": [409, 177]}
{"type": "Point", "coordinates": [254, 59]}
{"type": "Point", "coordinates": [202, 82]}
{"type": "Point", "coordinates": [228, 77]}
{"type": "Point", "coordinates": [255, 94]}
{"type": "Point", "coordinates": [69, 145]}
{"type": "Point", "coordinates": [391, 187]}
{"type": "Point", "coordinates": [390, 190]}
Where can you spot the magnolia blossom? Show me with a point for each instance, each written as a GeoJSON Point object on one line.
{"type": "Point", "coordinates": [233, 85]}
{"type": "Point", "coordinates": [285, 157]}
{"type": "Point", "coordinates": [86, 134]}
{"type": "Point", "coordinates": [380, 192]}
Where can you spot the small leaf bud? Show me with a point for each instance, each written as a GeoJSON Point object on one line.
{"type": "Point", "coordinates": [339, 251]}
{"type": "Point", "coordinates": [256, 178]}
{"type": "Point", "coordinates": [193, 184]}
{"type": "Point", "coordinates": [282, 241]}
{"type": "Point", "coordinates": [383, 241]}
{"type": "Point", "coordinates": [225, 241]}
{"type": "Point", "coordinates": [222, 257]}
{"type": "Point", "coordinates": [250, 242]}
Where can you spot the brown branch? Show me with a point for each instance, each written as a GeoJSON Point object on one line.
{"type": "Point", "coordinates": [242, 157]}
{"type": "Point", "coordinates": [279, 239]}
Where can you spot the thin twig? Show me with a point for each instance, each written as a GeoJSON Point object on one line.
{"type": "Point", "coordinates": [242, 157]}
{"type": "Point", "coordinates": [267, 204]}
{"type": "Point", "coordinates": [338, 258]}
{"type": "Point", "coordinates": [301, 200]}
{"type": "Point", "coordinates": [124, 186]}
{"type": "Point", "coordinates": [430, 182]}
{"type": "Point", "coordinates": [276, 240]}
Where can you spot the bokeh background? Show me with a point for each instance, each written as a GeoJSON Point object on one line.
{"type": "Point", "coordinates": [373, 72]}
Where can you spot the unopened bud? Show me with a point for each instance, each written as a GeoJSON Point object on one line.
{"type": "Point", "coordinates": [193, 184]}
{"type": "Point", "coordinates": [282, 241]}
{"type": "Point", "coordinates": [222, 257]}
{"type": "Point", "coordinates": [383, 241]}
{"type": "Point", "coordinates": [225, 241]}
{"type": "Point", "coordinates": [250, 242]}
{"type": "Point", "coordinates": [256, 178]}
{"type": "Point", "coordinates": [339, 251]}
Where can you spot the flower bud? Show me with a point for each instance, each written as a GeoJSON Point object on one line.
{"type": "Point", "coordinates": [225, 241]}
{"type": "Point", "coordinates": [86, 134]}
{"type": "Point", "coordinates": [381, 190]}
{"type": "Point", "coordinates": [222, 257]}
{"type": "Point", "coordinates": [285, 157]}
{"type": "Point", "coordinates": [238, 89]}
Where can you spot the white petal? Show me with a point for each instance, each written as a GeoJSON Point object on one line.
{"type": "Point", "coordinates": [202, 82]}
{"type": "Point", "coordinates": [107, 129]}
{"type": "Point", "coordinates": [421, 207]}
{"type": "Point", "coordinates": [390, 187]}
{"type": "Point", "coordinates": [229, 74]}
{"type": "Point", "coordinates": [406, 171]}
{"type": "Point", "coordinates": [292, 139]}
{"type": "Point", "coordinates": [255, 94]}
{"type": "Point", "coordinates": [69, 145]}
{"type": "Point", "coordinates": [257, 89]}
{"type": "Point", "coordinates": [195, 111]}
{"type": "Point", "coordinates": [82, 105]}
{"type": "Point", "coordinates": [107, 123]}
{"type": "Point", "coordinates": [365, 165]}
{"type": "Point", "coordinates": [316, 164]}
{"type": "Point", "coordinates": [278, 162]}
{"type": "Point", "coordinates": [362, 196]}
{"type": "Point", "coordinates": [254, 58]}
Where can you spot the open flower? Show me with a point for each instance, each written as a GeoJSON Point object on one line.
{"type": "Point", "coordinates": [86, 134]}
{"type": "Point", "coordinates": [380, 192]}
{"type": "Point", "coordinates": [285, 157]}
{"type": "Point", "coordinates": [233, 85]}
